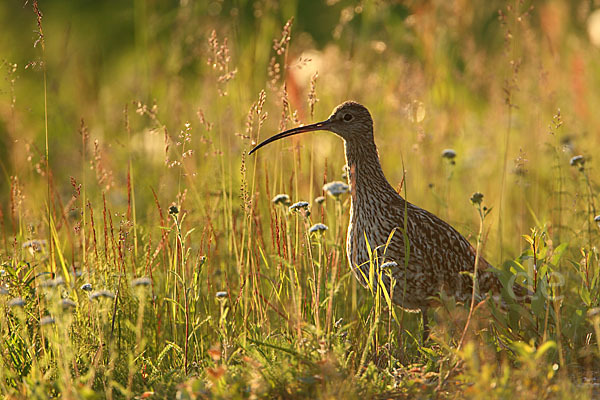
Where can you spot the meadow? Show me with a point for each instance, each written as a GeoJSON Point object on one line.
{"type": "Point", "coordinates": [145, 254]}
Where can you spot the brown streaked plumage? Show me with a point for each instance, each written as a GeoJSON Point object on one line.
{"type": "Point", "coordinates": [437, 254]}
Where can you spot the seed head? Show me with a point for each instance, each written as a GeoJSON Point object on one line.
{"type": "Point", "coordinates": [173, 210]}
{"type": "Point", "coordinates": [282, 199]}
{"type": "Point", "coordinates": [577, 161]}
{"type": "Point", "coordinates": [16, 302]}
{"type": "Point", "coordinates": [388, 265]}
{"type": "Point", "coordinates": [449, 154]}
{"type": "Point", "coordinates": [301, 205]}
{"type": "Point", "coordinates": [143, 281]}
{"type": "Point", "coordinates": [318, 228]}
{"type": "Point", "coordinates": [335, 189]}
{"type": "Point", "coordinates": [98, 294]}
{"type": "Point", "coordinates": [67, 304]}
{"type": "Point", "coordinates": [476, 198]}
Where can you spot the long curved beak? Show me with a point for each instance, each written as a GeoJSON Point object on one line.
{"type": "Point", "coordinates": [319, 126]}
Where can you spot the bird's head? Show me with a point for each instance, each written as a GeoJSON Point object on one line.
{"type": "Point", "coordinates": [350, 120]}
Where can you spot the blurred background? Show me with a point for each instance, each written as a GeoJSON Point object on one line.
{"type": "Point", "coordinates": [511, 87]}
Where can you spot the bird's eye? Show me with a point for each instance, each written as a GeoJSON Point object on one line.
{"type": "Point", "coordinates": [348, 117]}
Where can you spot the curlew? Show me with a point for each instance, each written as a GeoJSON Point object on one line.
{"type": "Point", "coordinates": [436, 256]}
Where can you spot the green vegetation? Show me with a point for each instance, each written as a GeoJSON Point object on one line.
{"type": "Point", "coordinates": [142, 255]}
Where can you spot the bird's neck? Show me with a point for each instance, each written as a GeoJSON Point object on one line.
{"type": "Point", "coordinates": [367, 181]}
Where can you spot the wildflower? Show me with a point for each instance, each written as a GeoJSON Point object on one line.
{"type": "Point", "coordinates": [102, 293]}
{"type": "Point", "coordinates": [301, 205]}
{"type": "Point", "coordinates": [318, 228]}
{"type": "Point", "coordinates": [34, 246]}
{"type": "Point", "coordinates": [345, 170]}
{"type": "Point", "coordinates": [577, 161]}
{"type": "Point", "coordinates": [47, 320]}
{"type": "Point", "coordinates": [388, 265]}
{"type": "Point", "coordinates": [87, 287]}
{"type": "Point", "coordinates": [320, 200]}
{"type": "Point", "coordinates": [50, 283]}
{"type": "Point", "coordinates": [449, 154]}
{"type": "Point", "coordinates": [173, 210]}
{"type": "Point", "coordinates": [476, 198]}
{"type": "Point", "coordinates": [67, 303]}
{"type": "Point", "coordinates": [335, 189]}
{"type": "Point", "coordinates": [143, 281]}
{"type": "Point", "coordinates": [282, 199]}
{"type": "Point", "coordinates": [221, 295]}
{"type": "Point", "coordinates": [16, 302]}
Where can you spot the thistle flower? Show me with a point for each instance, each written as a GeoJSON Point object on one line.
{"type": "Point", "coordinates": [221, 295]}
{"type": "Point", "coordinates": [318, 228]}
{"type": "Point", "coordinates": [320, 200]}
{"type": "Point", "coordinates": [301, 205]}
{"type": "Point", "coordinates": [98, 294]}
{"type": "Point", "coordinates": [16, 302]}
{"type": "Point", "coordinates": [335, 189]}
{"type": "Point", "coordinates": [87, 287]}
{"type": "Point", "coordinates": [143, 281]}
{"type": "Point", "coordinates": [282, 199]}
{"type": "Point", "coordinates": [47, 320]}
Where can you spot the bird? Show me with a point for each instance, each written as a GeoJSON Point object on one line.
{"type": "Point", "coordinates": [424, 254]}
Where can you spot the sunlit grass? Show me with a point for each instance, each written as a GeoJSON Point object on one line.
{"type": "Point", "coordinates": [155, 256]}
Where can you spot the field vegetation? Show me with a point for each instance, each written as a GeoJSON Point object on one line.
{"type": "Point", "coordinates": [145, 254]}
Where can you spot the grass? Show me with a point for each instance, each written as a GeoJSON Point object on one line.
{"type": "Point", "coordinates": [142, 256]}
